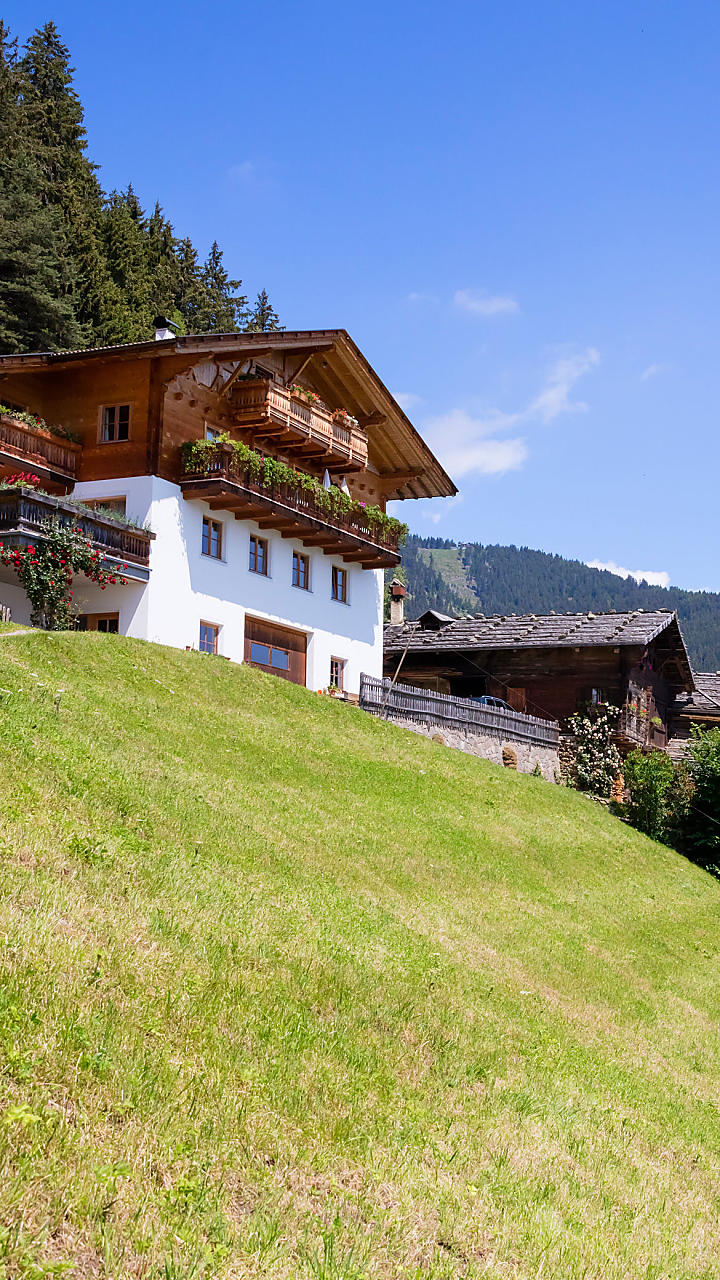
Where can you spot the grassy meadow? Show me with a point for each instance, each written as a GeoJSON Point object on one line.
{"type": "Point", "coordinates": [288, 992]}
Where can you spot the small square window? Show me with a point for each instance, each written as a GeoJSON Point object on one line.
{"type": "Point", "coordinates": [115, 423]}
{"type": "Point", "coordinates": [211, 433]}
{"type": "Point", "coordinates": [337, 673]}
{"type": "Point", "coordinates": [209, 637]}
{"type": "Point", "coordinates": [258, 555]}
{"type": "Point", "coordinates": [301, 571]}
{"type": "Point", "coordinates": [212, 538]}
{"type": "Point", "coordinates": [339, 584]}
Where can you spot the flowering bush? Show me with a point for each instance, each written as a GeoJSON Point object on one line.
{"type": "Point", "coordinates": [45, 572]}
{"type": "Point", "coordinates": [198, 454]}
{"type": "Point", "coordinates": [597, 760]}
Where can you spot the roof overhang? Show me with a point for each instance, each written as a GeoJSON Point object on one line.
{"type": "Point", "coordinates": [330, 360]}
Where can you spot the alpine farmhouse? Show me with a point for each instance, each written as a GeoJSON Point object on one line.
{"type": "Point", "coordinates": [242, 479]}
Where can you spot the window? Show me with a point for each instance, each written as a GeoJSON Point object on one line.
{"type": "Point", "coordinates": [116, 505]}
{"type": "Point", "coordinates": [339, 584]}
{"type": "Point", "coordinates": [258, 555]}
{"type": "Point", "coordinates": [211, 433]}
{"type": "Point", "coordinates": [209, 637]}
{"type": "Point", "coordinates": [115, 423]}
{"type": "Point", "coordinates": [212, 538]}
{"type": "Point", "coordinates": [269, 655]}
{"type": "Point", "coordinates": [107, 622]}
{"type": "Point", "coordinates": [301, 571]}
{"type": "Point", "coordinates": [337, 673]}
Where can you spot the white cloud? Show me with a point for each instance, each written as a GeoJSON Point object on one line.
{"type": "Point", "coordinates": [470, 444]}
{"type": "Point", "coordinates": [438, 510]}
{"type": "Point", "coordinates": [654, 577]}
{"type": "Point", "coordinates": [407, 399]}
{"type": "Point", "coordinates": [652, 371]}
{"type": "Point", "coordinates": [464, 444]}
{"type": "Point", "coordinates": [554, 398]}
{"type": "Point", "coordinates": [421, 297]}
{"type": "Point", "coordinates": [480, 303]}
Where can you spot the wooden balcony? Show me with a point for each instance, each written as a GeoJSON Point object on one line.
{"type": "Point", "coordinates": [223, 480]}
{"type": "Point", "coordinates": [37, 450]}
{"type": "Point", "coordinates": [302, 430]}
{"type": "Point", "coordinates": [635, 729]}
{"type": "Point", "coordinates": [25, 515]}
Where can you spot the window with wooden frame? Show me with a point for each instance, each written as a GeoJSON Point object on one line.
{"type": "Point", "coordinates": [269, 655]}
{"type": "Point", "coordinates": [212, 538]}
{"type": "Point", "coordinates": [118, 506]}
{"type": "Point", "coordinates": [339, 584]}
{"type": "Point", "coordinates": [258, 555]}
{"type": "Point", "coordinates": [301, 571]}
{"type": "Point", "coordinates": [114, 423]}
{"type": "Point", "coordinates": [211, 433]}
{"type": "Point", "coordinates": [107, 622]}
{"type": "Point", "coordinates": [337, 674]}
{"type": "Point", "coordinates": [209, 634]}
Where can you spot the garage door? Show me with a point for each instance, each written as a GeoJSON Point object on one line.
{"type": "Point", "coordinates": [276, 649]}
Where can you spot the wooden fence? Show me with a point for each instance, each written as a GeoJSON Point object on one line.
{"type": "Point", "coordinates": [403, 702]}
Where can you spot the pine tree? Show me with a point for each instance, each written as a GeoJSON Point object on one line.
{"type": "Point", "coordinates": [263, 317]}
{"type": "Point", "coordinates": [190, 286]}
{"type": "Point", "coordinates": [221, 309]}
{"type": "Point", "coordinates": [130, 315]}
{"type": "Point", "coordinates": [36, 310]}
{"type": "Point", "coordinates": [78, 267]}
{"type": "Point", "coordinates": [69, 183]}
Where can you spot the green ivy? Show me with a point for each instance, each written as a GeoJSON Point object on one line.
{"type": "Point", "coordinates": [197, 455]}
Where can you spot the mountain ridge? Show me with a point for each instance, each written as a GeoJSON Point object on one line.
{"type": "Point", "coordinates": [473, 577]}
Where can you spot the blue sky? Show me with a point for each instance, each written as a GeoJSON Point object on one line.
{"type": "Point", "coordinates": [511, 206]}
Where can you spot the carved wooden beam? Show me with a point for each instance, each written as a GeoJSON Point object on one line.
{"type": "Point", "coordinates": [374, 419]}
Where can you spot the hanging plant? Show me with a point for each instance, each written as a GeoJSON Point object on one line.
{"type": "Point", "coordinates": [245, 462]}
{"type": "Point", "coordinates": [46, 573]}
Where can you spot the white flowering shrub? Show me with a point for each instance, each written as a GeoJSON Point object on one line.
{"type": "Point", "coordinates": [597, 760]}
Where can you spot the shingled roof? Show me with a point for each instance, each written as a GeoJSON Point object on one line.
{"type": "Point", "coordinates": [704, 701]}
{"type": "Point", "coordinates": [528, 630]}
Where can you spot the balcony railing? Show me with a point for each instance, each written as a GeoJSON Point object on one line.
{"type": "Point", "coordinates": [227, 481]}
{"type": "Point", "coordinates": [638, 730]}
{"type": "Point", "coordinates": [309, 429]}
{"type": "Point", "coordinates": [24, 514]}
{"type": "Point", "coordinates": [24, 447]}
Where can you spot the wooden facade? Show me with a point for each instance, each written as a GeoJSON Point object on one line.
{"type": "Point", "coordinates": [309, 399]}
{"type": "Point", "coordinates": [700, 706]}
{"type": "Point", "coordinates": [553, 666]}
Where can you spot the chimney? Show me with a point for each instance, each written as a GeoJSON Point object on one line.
{"type": "Point", "coordinates": [164, 328]}
{"type": "Point", "coordinates": [397, 602]}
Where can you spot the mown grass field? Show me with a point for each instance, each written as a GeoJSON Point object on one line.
{"type": "Point", "coordinates": [288, 992]}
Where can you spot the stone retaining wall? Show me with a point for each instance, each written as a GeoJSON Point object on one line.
{"type": "Point", "coordinates": [517, 755]}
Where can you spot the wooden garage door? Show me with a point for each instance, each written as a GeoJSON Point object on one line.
{"type": "Point", "coordinates": [276, 649]}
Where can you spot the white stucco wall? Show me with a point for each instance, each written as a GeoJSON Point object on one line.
{"type": "Point", "coordinates": [186, 587]}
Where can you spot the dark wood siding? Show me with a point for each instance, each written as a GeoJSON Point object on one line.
{"type": "Point", "coordinates": [272, 636]}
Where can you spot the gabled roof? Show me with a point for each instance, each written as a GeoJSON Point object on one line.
{"type": "Point", "coordinates": [529, 630]}
{"type": "Point", "coordinates": [704, 701]}
{"type": "Point", "coordinates": [332, 362]}
{"type": "Point", "coordinates": [549, 631]}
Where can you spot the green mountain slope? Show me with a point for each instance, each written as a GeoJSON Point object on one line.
{"type": "Point", "coordinates": [474, 578]}
{"type": "Point", "coordinates": [289, 992]}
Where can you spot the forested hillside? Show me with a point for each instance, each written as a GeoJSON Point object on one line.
{"type": "Point", "coordinates": [78, 266]}
{"type": "Point", "coordinates": [474, 578]}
